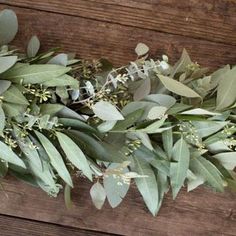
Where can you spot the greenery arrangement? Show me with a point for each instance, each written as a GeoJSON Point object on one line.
{"type": "Point", "coordinates": [157, 125]}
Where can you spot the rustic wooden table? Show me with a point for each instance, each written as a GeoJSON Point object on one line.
{"type": "Point", "coordinates": [95, 28]}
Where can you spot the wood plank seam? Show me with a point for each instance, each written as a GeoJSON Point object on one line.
{"type": "Point", "coordinates": [115, 23]}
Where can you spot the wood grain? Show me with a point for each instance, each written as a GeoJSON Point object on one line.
{"type": "Point", "coordinates": [21, 227]}
{"type": "Point", "coordinates": [201, 212]}
{"type": "Point", "coordinates": [213, 20]}
{"type": "Point", "coordinates": [94, 39]}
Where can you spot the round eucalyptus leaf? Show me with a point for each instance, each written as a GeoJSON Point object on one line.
{"type": "Point", "coordinates": [8, 26]}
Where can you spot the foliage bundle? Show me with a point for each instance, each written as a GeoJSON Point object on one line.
{"type": "Point", "coordinates": [157, 125]}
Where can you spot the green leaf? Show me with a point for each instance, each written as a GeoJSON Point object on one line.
{"type": "Point", "coordinates": [4, 85]}
{"type": "Point", "coordinates": [106, 126]}
{"type": "Point", "coordinates": [8, 26]}
{"type": "Point", "coordinates": [154, 127]}
{"type": "Point", "coordinates": [115, 188]}
{"type": "Point", "coordinates": [182, 64]}
{"type": "Point", "coordinates": [177, 87]}
{"type": "Point", "coordinates": [98, 195]}
{"type": "Point", "coordinates": [167, 140]}
{"type": "Point", "coordinates": [163, 187]}
{"type": "Point", "coordinates": [2, 120]}
{"type": "Point", "coordinates": [34, 74]}
{"type": "Point", "coordinates": [143, 90]}
{"type": "Point", "coordinates": [74, 154]}
{"type": "Point", "coordinates": [156, 112]}
{"type": "Point", "coordinates": [138, 105]}
{"type": "Point", "coordinates": [7, 62]}
{"type": "Point", "coordinates": [50, 109]}
{"type": "Point", "coordinates": [106, 111]}
{"type": "Point", "coordinates": [97, 149]}
{"type": "Point", "coordinates": [147, 186]}
{"type": "Point", "coordinates": [200, 112]}
{"type": "Point", "coordinates": [8, 155]}
{"type": "Point", "coordinates": [227, 159]}
{"type": "Point", "coordinates": [55, 158]}
{"type": "Point", "coordinates": [161, 99]}
{"type": "Point", "coordinates": [178, 169]}
{"type": "Point", "coordinates": [153, 159]}
{"type": "Point", "coordinates": [63, 80]}
{"type": "Point", "coordinates": [66, 112]}
{"type": "Point", "coordinates": [67, 196]}
{"type": "Point", "coordinates": [193, 181]}
{"type": "Point", "coordinates": [13, 110]}
{"type": "Point", "coordinates": [141, 49]}
{"type": "Point", "coordinates": [129, 120]}
{"type": "Point", "coordinates": [14, 95]}
{"type": "Point", "coordinates": [37, 165]}
{"type": "Point", "coordinates": [206, 128]}
{"type": "Point", "coordinates": [60, 59]}
{"type": "Point", "coordinates": [77, 124]}
{"type": "Point", "coordinates": [204, 168]}
{"type": "Point", "coordinates": [33, 46]}
{"type": "Point", "coordinates": [226, 95]}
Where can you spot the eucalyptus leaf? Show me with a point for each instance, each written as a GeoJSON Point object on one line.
{"type": "Point", "coordinates": [34, 74]}
{"type": "Point", "coordinates": [2, 120]}
{"type": "Point", "coordinates": [8, 26]}
{"type": "Point", "coordinates": [156, 112]}
{"type": "Point", "coordinates": [178, 169]}
{"type": "Point", "coordinates": [50, 109]}
{"type": "Point", "coordinates": [55, 158]}
{"type": "Point", "coordinates": [6, 154]}
{"type": "Point", "coordinates": [33, 46]}
{"type": "Point", "coordinates": [141, 49]}
{"type": "Point", "coordinates": [227, 159]}
{"type": "Point", "coordinates": [147, 186]}
{"type": "Point", "coordinates": [226, 95]}
{"type": "Point", "coordinates": [60, 59]}
{"type": "Point", "coordinates": [98, 195]}
{"type": "Point", "coordinates": [167, 140]}
{"type": "Point", "coordinates": [7, 62]}
{"type": "Point", "coordinates": [182, 64]}
{"type": "Point", "coordinates": [67, 196]}
{"type": "Point", "coordinates": [114, 187]}
{"type": "Point", "coordinates": [204, 168]}
{"type": "Point", "coordinates": [206, 128]}
{"type": "Point", "coordinates": [63, 80]}
{"type": "Point", "coordinates": [161, 99]}
{"type": "Point", "coordinates": [4, 85]}
{"type": "Point", "coordinates": [106, 111]}
{"type": "Point", "coordinates": [143, 90]}
{"type": "Point", "coordinates": [14, 95]}
{"type": "Point", "coordinates": [74, 154]}
{"type": "Point", "coordinates": [177, 87]}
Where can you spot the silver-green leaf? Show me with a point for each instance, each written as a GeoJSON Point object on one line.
{"type": "Point", "coordinates": [98, 195]}
{"type": "Point", "coordinates": [8, 155]}
{"type": "Point", "coordinates": [147, 186]}
{"type": "Point", "coordinates": [74, 154]}
{"type": "Point", "coordinates": [8, 26]}
{"type": "Point", "coordinates": [55, 158]}
{"type": "Point", "coordinates": [106, 111]}
{"type": "Point", "coordinates": [7, 62]}
{"type": "Point", "coordinates": [178, 169]}
{"type": "Point", "coordinates": [33, 46]}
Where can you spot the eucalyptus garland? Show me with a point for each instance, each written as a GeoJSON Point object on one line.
{"type": "Point", "coordinates": [149, 123]}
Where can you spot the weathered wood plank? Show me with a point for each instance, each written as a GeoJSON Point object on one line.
{"type": "Point", "coordinates": [93, 39]}
{"type": "Point", "coordinates": [214, 20]}
{"type": "Point", "coordinates": [201, 212]}
{"type": "Point", "coordinates": [21, 227]}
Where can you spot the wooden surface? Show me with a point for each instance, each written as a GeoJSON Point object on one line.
{"type": "Point", "coordinates": [112, 28]}
{"type": "Point", "coordinates": [201, 212]}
